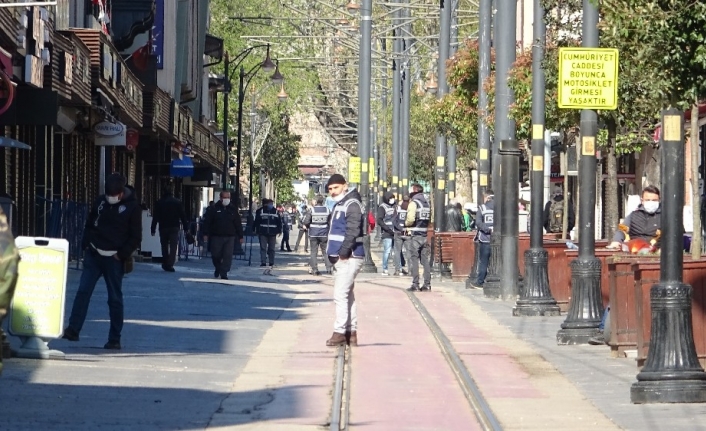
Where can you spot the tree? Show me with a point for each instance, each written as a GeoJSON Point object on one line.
{"type": "Point", "coordinates": [279, 157]}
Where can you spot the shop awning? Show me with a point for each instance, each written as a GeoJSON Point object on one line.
{"type": "Point", "coordinates": [183, 167]}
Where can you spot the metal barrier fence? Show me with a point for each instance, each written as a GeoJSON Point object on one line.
{"type": "Point", "coordinates": [199, 248]}
{"type": "Point", "coordinates": [66, 219]}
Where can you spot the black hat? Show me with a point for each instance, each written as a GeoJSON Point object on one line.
{"type": "Point", "coordinates": [114, 184]}
{"type": "Point", "coordinates": [336, 179]}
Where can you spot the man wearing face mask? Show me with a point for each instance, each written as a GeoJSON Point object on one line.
{"type": "Point", "coordinates": [268, 225]}
{"type": "Point", "coordinates": [345, 250]}
{"type": "Point", "coordinates": [644, 222]}
{"type": "Point", "coordinates": [222, 225]}
{"type": "Point", "coordinates": [385, 218]}
{"type": "Point", "coordinates": [416, 226]}
{"type": "Point", "coordinates": [113, 232]}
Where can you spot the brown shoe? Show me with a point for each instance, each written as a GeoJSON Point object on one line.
{"type": "Point", "coordinates": [336, 340]}
{"type": "Point", "coordinates": [352, 338]}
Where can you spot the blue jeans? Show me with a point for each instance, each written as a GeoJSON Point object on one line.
{"type": "Point", "coordinates": [484, 261]}
{"type": "Point", "coordinates": [386, 250]}
{"type": "Point", "coordinates": [112, 270]}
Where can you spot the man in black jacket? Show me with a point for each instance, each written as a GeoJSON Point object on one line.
{"type": "Point", "coordinates": [169, 214]}
{"type": "Point", "coordinates": [454, 217]}
{"type": "Point", "coordinates": [221, 227]}
{"type": "Point", "coordinates": [385, 219]}
{"type": "Point", "coordinates": [113, 232]}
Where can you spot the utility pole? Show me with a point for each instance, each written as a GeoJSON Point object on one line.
{"type": "Point", "coordinates": [396, 102]}
{"type": "Point", "coordinates": [405, 109]}
{"type": "Point", "coordinates": [505, 27]}
{"type": "Point", "coordinates": [586, 306]}
{"type": "Point", "coordinates": [364, 146]}
{"type": "Point", "coordinates": [485, 16]}
{"type": "Point", "coordinates": [440, 151]}
{"type": "Point", "coordinates": [536, 299]}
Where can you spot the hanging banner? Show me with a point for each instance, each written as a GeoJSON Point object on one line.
{"type": "Point", "coordinates": [37, 308]}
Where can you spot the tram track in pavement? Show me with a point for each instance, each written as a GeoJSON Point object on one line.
{"type": "Point", "coordinates": [485, 415]}
{"type": "Point", "coordinates": [342, 389]}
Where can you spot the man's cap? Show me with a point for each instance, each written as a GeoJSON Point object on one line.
{"type": "Point", "coordinates": [265, 201]}
{"type": "Point", "coordinates": [336, 179]}
{"type": "Point", "coordinates": [388, 195]}
{"type": "Point", "coordinates": [114, 184]}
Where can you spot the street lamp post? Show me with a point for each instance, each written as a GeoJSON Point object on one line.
{"type": "Point", "coordinates": [366, 10]}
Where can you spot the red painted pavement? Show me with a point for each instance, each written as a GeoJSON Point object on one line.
{"type": "Point", "coordinates": [400, 379]}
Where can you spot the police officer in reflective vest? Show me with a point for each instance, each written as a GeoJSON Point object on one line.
{"type": "Point", "coordinates": [316, 222]}
{"type": "Point", "coordinates": [401, 251]}
{"type": "Point", "coordinates": [484, 222]}
{"type": "Point", "coordinates": [268, 225]}
{"type": "Point", "coordinates": [416, 224]}
{"type": "Point", "coordinates": [345, 250]}
{"type": "Point", "coordinates": [385, 218]}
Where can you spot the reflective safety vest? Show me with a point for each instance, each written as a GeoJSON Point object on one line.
{"type": "Point", "coordinates": [422, 217]}
{"type": "Point", "coordinates": [319, 222]}
{"type": "Point", "coordinates": [337, 231]}
{"type": "Point", "coordinates": [389, 215]}
{"type": "Point", "coordinates": [398, 221]}
{"type": "Point", "coordinates": [268, 222]}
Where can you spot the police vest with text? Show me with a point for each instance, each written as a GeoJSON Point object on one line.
{"type": "Point", "coordinates": [421, 218]}
{"type": "Point", "coordinates": [337, 231]}
{"type": "Point", "coordinates": [487, 216]}
{"type": "Point", "coordinates": [398, 219]}
{"type": "Point", "coordinates": [268, 222]}
{"type": "Point", "coordinates": [389, 215]}
{"type": "Point", "coordinates": [319, 222]}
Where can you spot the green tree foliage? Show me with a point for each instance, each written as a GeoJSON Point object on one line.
{"type": "Point", "coordinates": [279, 157]}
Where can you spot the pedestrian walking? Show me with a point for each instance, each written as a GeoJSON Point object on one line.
{"type": "Point", "coordinates": [222, 227]}
{"type": "Point", "coordinates": [385, 219]}
{"type": "Point", "coordinates": [113, 232]}
{"type": "Point", "coordinates": [303, 230]}
{"type": "Point", "coordinates": [268, 225]}
{"type": "Point", "coordinates": [400, 243]}
{"type": "Point", "coordinates": [416, 225]}
{"type": "Point", "coordinates": [286, 218]}
{"type": "Point", "coordinates": [345, 251]}
{"type": "Point", "coordinates": [317, 224]}
{"type": "Point", "coordinates": [484, 223]}
{"type": "Point", "coordinates": [170, 216]}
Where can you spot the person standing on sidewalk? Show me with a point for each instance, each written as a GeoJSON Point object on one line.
{"type": "Point", "coordinates": [222, 227]}
{"type": "Point", "coordinates": [401, 251]}
{"type": "Point", "coordinates": [484, 223]}
{"type": "Point", "coordinates": [286, 227]}
{"type": "Point", "coordinates": [303, 230]}
{"type": "Point", "coordinates": [268, 225]}
{"type": "Point", "coordinates": [113, 232]}
{"type": "Point", "coordinates": [345, 251]}
{"type": "Point", "coordinates": [417, 222]}
{"type": "Point", "coordinates": [316, 221]}
{"type": "Point", "coordinates": [169, 214]}
{"type": "Point", "coordinates": [385, 219]}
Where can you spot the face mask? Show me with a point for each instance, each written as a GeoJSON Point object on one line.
{"type": "Point", "coordinates": [112, 199]}
{"type": "Point", "coordinates": [338, 198]}
{"type": "Point", "coordinates": [650, 206]}
{"type": "Point", "coordinates": [270, 206]}
{"type": "Point", "coordinates": [226, 202]}
{"type": "Point", "coordinates": [391, 201]}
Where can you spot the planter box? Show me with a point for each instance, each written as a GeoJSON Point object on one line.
{"type": "Point", "coordinates": [623, 302]}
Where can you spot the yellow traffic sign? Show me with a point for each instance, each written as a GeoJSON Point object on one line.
{"type": "Point", "coordinates": [354, 170]}
{"type": "Point", "coordinates": [588, 78]}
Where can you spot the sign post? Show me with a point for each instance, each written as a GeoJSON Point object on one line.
{"type": "Point", "coordinates": [37, 310]}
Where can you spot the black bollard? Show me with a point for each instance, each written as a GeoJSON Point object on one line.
{"type": "Point", "coordinates": [509, 228]}
{"type": "Point", "coordinates": [491, 286]}
{"type": "Point", "coordinates": [672, 372]}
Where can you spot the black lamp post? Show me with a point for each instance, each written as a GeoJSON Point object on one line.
{"type": "Point", "coordinates": [268, 66]}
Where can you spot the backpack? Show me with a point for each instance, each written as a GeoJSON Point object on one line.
{"type": "Point", "coordinates": [556, 216]}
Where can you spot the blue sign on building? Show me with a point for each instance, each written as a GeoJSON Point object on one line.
{"type": "Point", "coordinates": [158, 34]}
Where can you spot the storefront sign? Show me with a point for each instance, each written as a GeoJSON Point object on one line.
{"type": "Point", "coordinates": [110, 134]}
{"type": "Point", "coordinates": [158, 33]}
{"type": "Point", "coordinates": [38, 306]}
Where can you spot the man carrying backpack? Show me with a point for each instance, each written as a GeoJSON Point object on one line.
{"type": "Point", "coordinates": [554, 213]}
